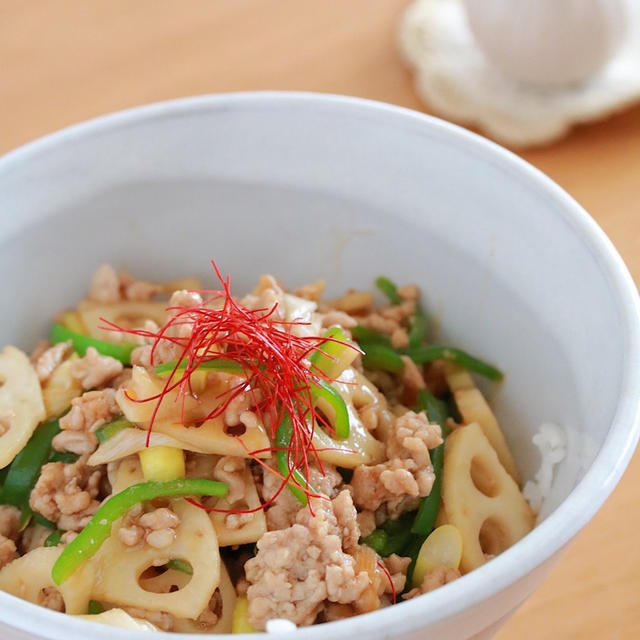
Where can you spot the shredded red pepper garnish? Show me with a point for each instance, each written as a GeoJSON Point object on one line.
{"type": "Point", "coordinates": [274, 360]}
{"type": "Point", "coordinates": [384, 570]}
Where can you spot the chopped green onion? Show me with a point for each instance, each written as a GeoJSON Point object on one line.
{"type": "Point", "coordinates": [122, 351]}
{"type": "Point", "coordinates": [90, 539]}
{"type": "Point", "coordinates": [421, 355]}
{"type": "Point", "coordinates": [333, 356]}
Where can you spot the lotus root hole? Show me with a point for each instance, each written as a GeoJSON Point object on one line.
{"type": "Point", "coordinates": [483, 478]}
{"type": "Point", "coordinates": [235, 429]}
{"type": "Point", "coordinates": [5, 425]}
{"type": "Point", "coordinates": [493, 537]}
{"type": "Point", "coordinates": [159, 580]}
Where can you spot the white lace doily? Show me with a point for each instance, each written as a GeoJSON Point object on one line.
{"type": "Point", "coordinates": [455, 79]}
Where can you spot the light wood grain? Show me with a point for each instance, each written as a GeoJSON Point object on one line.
{"type": "Point", "coordinates": [63, 61]}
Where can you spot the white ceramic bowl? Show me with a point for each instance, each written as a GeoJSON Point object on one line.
{"type": "Point", "coordinates": [308, 186]}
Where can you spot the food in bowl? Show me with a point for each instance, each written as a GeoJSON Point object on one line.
{"type": "Point", "coordinates": [209, 464]}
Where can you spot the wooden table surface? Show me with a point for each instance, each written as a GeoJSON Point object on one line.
{"type": "Point", "coordinates": [63, 61]}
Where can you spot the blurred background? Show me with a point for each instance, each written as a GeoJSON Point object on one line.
{"type": "Point", "coordinates": [64, 61]}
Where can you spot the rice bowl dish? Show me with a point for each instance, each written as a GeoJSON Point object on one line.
{"type": "Point", "coordinates": [481, 285]}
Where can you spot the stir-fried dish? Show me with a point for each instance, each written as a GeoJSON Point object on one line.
{"type": "Point", "coordinates": [174, 458]}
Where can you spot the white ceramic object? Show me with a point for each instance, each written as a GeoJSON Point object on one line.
{"type": "Point", "coordinates": [548, 43]}
{"type": "Point", "coordinates": [304, 186]}
{"type": "Point", "coordinates": [456, 79]}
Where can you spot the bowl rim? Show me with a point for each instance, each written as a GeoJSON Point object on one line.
{"type": "Point", "coordinates": [572, 514]}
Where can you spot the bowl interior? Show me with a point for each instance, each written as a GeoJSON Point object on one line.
{"type": "Point", "coordinates": [305, 188]}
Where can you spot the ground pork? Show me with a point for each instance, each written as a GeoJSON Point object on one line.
{"type": "Point", "coordinates": [66, 494]}
{"type": "Point", "coordinates": [107, 286]}
{"type": "Point", "coordinates": [347, 523]}
{"type": "Point", "coordinates": [366, 522]}
{"type": "Point", "coordinates": [411, 375]}
{"type": "Point", "coordinates": [390, 319]}
{"type": "Point", "coordinates": [33, 537]}
{"type": "Point", "coordinates": [332, 318]}
{"type": "Point", "coordinates": [354, 302]}
{"type": "Point", "coordinates": [9, 521]}
{"type": "Point", "coordinates": [210, 616]}
{"type": "Point", "coordinates": [283, 510]}
{"type": "Point", "coordinates": [95, 370]}
{"type": "Point", "coordinates": [400, 338]}
{"type": "Point", "coordinates": [51, 598]}
{"type": "Point", "coordinates": [153, 352]}
{"type": "Point", "coordinates": [184, 298]}
{"type": "Point", "coordinates": [297, 569]}
{"type": "Point", "coordinates": [50, 359]}
{"type": "Point", "coordinates": [434, 579]}
{"type": "Point", "coordinates": [41, 346]}
{"type": "Point", "coordinates": [157, 528]}
{"type": "Point", "coordinates": [88, 412]}
{"type": "Point", "coordinates": [8, 551]}
{"type": "Point", "coordinates": [407, 472]}
{"type": "Point", "coordinates": [231, 469]}
{"type": "Point", "coordinates": [312, 291]}
{"type": "Point", "coordinates": [282, 513]}
{"type": "Point", "coordinates": [397, 567]}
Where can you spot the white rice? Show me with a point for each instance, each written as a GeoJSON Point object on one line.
{"type": "Point", "coordinates": [551, 440]}
{"type": "Point", "coordinates": [280, 625]}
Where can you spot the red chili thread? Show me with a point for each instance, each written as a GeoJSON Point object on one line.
{"type": "Point", "coordinates": [274, 359]}
{"type": "Point", "coordinates": [386, 573]}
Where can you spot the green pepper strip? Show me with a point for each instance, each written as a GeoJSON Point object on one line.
{"type": "Point", "coordinates": [53, 539]}
{"type": "Point", "coordinates": [392, 536]}
{"type": "Point", "coordinates": [420, 355]}
{"type": "Point", "coordinates": [38, 518]}
{"type": "Point", "coordinates": [389, 289]}
{"type": "Point", "coordinates": [217, 364]}
{"type": "Point", "coordinates": [107, 431]}
{"type": "Point", "coordinates": [284, 433]}
{"type": "Point", "coordinates": [3, 476]}
{"type": "Point", "coordinates": [411, 551]}
{"type": "Point", "coordinates": [95, 608]}
{"type": "Point", "coordinates": [377, 540]}
{"type": "Point", "coordinates": [89, 540]}
{"type": "Point", "coordinates": [63, 456]}
{"type": "Point", "coordinates": [25, 469]}
{"type": "Point", "coordinates": [180, 565]}
{"type": "Point", "coordinates": [81, 343]}
{"type": "Point", "coordinates": [325, 392]}
{"type": "Point", "coordinates": [378, 356]}
{"type": "Point", "coordinates": [429, 506]}
{"type": "Point", "coordinates": [417, 328]}
{"type": "Point", "coordinates": [369, 336]}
